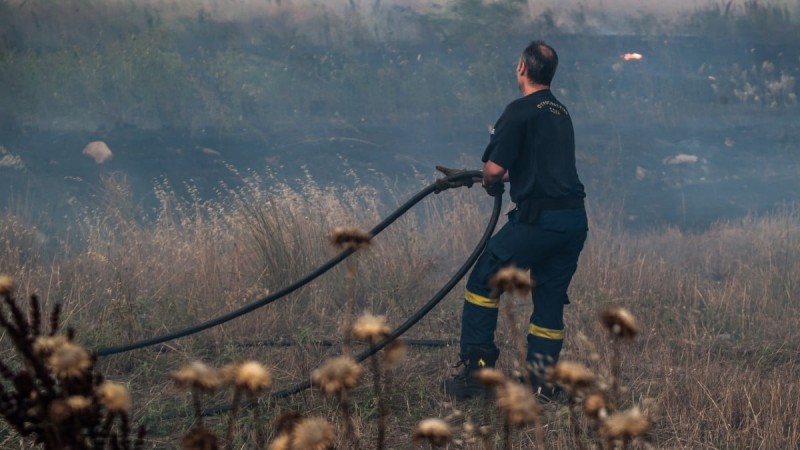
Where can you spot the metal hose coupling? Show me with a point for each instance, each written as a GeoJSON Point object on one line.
{"type": "Point", "coordinates": [454, 178]}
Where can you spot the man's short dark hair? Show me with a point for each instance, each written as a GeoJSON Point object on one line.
{"type": "Point", "coordinates": [541, 61]}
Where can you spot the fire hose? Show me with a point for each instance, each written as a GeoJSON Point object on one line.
{"type": "Point", "coordinates": [453, 178]}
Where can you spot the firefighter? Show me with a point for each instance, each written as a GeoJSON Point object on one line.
{"type": "Point", "coordinates": [532, 147]}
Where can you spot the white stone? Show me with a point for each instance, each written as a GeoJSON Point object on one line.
{"type": "Point", "coordinates": [99, 151]}
{"type": "Point", "coordinates": [680, 158]}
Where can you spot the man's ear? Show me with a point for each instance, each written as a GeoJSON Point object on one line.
{"type": "Point", "coordinates": [521, 67]}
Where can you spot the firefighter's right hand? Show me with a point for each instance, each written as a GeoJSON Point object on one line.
{"type": "Point", "coordinates": [495, 189]}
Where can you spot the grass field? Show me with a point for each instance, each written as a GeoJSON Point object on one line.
{"type": "Point", "coordinates": [715, 364]}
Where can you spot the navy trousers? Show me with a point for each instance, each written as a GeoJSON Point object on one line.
{"type": "Point", "coordinates": [550, 249]}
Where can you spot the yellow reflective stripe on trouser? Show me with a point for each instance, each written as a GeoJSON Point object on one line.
{"type": "Point", "coordinates": [480, 300]}
{"type": "Point", "coordinates": [546, 333]}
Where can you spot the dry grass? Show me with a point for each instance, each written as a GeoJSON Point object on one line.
{"type": "Point", "coordinates": [715, 364]}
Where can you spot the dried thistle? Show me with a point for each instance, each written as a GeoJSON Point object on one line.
{"type": "Point", "coordinates": [490, 377]}
{"type": "Point", "coordinates": [313, 434]}
{"type": "Point", "coordinates": [595, 406]}
{"type": "Point", "coordinates": [510, 279]}
{"type": "Point", "coordinates": [620, 322]}
{"type": "Point", "coordinates": [7, 285]}
{"type": "Point", "coordinates": [281, 442]}
{"type": "Point", "coordinates": [114, 397]}
{"type": "Point", "coordinates": [69, 361]}
{"type": "Point", "coordinates": [625, 425]}
{"type": "Point", "coordinates": [436, 431]}
{"type": "Point", "coordinates": [198, 375]}
{"type": "Point", "coordinates": [517, 403]}
{"type": "Point", "coordinates": [78, 403]}
{"type": "Point", "coordinates": [45, 345]}
{"type": "Point", "coordinates": [337, 375]}
{"type": "Point", "coordinates": [395, 352]}
{"type": "Point", "coordinates": [371, 328]}
{"type": "Point", "coordinates": [50, 398]}
{"type": "Point", "coordinates": [253, 377]}
{"type": "Point", "coordinates": [573, 376]}
{"type": "Point", "coordinates": [350, 237]}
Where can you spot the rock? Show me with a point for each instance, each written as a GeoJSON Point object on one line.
{"type": "Point", "coordinates": [99, 151]}
{"type": "Point", "coordinates": [8, 159]}
{"type": "Point", "coordinates": [680, 158]}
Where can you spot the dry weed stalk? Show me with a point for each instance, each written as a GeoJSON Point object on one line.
{"type": "Point", "coordinates": [337, 377]}
{"type": "Point", "coordinates": [516, 402]}
{"type": "Point", "coordinates": [250, 378]}
{"type": "Point", "coordinates": [622, 326]}
{"type": "Point", "coordinates": [492, 379]}
{"type": "Point", "coordinates": [353, 239]}
{"type": "Point", "coordinates": [56, 397]}
{"type": "Point", "coordinates": [517, 283]}
{"type": "Point", "coordinates": [576, 379]}
{"type": "Point", "coordinates": [519, 407]}
{"type": "Point", "coordinates": [197, 377]}
{"type": "Point", "coordinates": [371, 329]}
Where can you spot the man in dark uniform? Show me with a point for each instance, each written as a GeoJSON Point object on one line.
{"type": "Point", "coordinates": [532, 147]}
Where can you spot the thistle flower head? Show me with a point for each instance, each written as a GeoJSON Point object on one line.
{"type": "Point", "coordinates": [69, 361]}
{"type": "Point", "coordinates": [7, 284]}
{"type": "Point", "coordinates": [595, 406]}
{"type": "Point", "coordinates": [625, 425]}
{"type": "Point", "coordinates": [350, 237]}
{"type": "Point", "coordinates": [510, 279]}
{"type": "Point", "coordinates": [280, 443]}
{"type": "Point", "coordinates": [337, 375]}
{"type": "Point", "coordinates": [78, 403]}
{"type": "Point", "coordinates": [574, 376]}
{"type": "Point", "coordinates": [371, 328]}
{"type": "Point", "coordinates": [46, 345]}
{"type": "Point", "coordinates": [198, 375]}
{"type": "Point", "coordinates": [490, 377]}
{"type": "Point", "coordinates": [253, 377]}
{"type": "Point", "coordinates": [517, 403]}
{"type": "Point", "coordinates": [114, 397]}
{"type": "Point", "coordinates": [314, 433]}
{"type": "Point", "coordinates": [394, 352]}
{"type": "Point", "coordinates": [620, 322]}
{"type": "Point", "coordinates": [435, 431]}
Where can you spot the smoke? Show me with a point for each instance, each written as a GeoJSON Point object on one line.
{"type": "Point", "coordinates": [386, 89]}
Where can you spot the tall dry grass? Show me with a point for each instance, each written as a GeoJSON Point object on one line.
{"type": "Point", "coordinates": [715, 365]}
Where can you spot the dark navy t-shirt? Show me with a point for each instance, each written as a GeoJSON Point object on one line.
{"type": "Point", "coordinates": [534, 140]}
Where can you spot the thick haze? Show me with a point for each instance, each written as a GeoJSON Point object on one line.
{"type": "Point", "coordinates": [703, 126]}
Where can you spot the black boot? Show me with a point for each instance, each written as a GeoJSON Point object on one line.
{"type": "Point", "coordinates": [464, 385]}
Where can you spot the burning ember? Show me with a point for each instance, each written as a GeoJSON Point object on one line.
{"type": "Point", "coordinates": [632, 56]}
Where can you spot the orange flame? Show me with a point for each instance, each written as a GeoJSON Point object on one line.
{"type": "Point", "coordinates": [632, 56]}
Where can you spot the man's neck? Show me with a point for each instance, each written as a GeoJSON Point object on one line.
{"type": "Point", "coordinates": [531, 88]}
